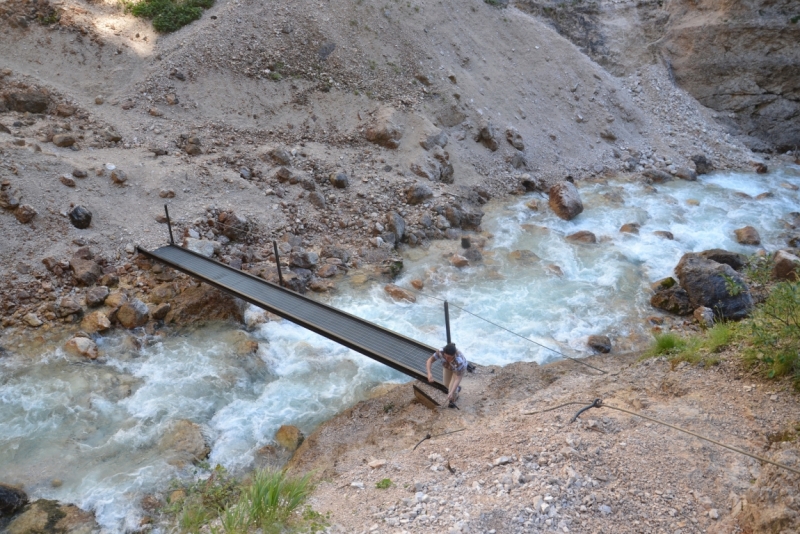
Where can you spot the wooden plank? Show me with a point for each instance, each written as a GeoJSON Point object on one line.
{"type": "Point", "coordinates": [425, 399]}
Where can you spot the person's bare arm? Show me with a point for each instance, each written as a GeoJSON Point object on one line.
{"type": "Point", "coordinates": [428, 367]}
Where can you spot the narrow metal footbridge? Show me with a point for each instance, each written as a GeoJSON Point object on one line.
{"type": "Point", "coordinates": [389, 348]}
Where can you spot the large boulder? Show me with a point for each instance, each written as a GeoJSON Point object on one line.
{"type": "Point", "coordinates": [701, 164]}
{"type": "Point", "coordinates": [204, 247]}
{"type": "Point", "coordinates": [582, 236]}
{"type": "Point", "coordinates": [67, 306]}
{"type": "Point", "coordinates": [487, 136]}
{"type": "Point", "coordinates": [514, 138]}
{"type": "Point", "coordinates": [673, 300]}
{"type": "Point", "coordinates": [11, 500]}
{"type": "Point", "coordinates": [133, 314]}
{"type": "Point", "coordinates": [25, 213]}
{"type": "Point", "coordinates": [184, 443]}
{"type": "Point", "coordinates": [734, 259]}
{"type": "Point", "coordinates": [95, 322]}
{"type": "Point", "coordinates": [80, 217]}
{"type": "Point", "coordinates": [397, 225]}
{"type": "Point", "coordinates": [9, 198]}
{"type": "Point", "coordinates": [289, 437]}
{"type": "Point", "coordinates": [398, 293]}
{"type": "Point", "coordinates": [46, 516]}
{"type": "Point", "coordinates": [785, 266]}
{"type": "Point", "coordinates": [565, 201]}
{"type": "Point", "coordinates": [30, 101]}
{"type": "Point", "coordinates": [96, 296]}
{"type": "Point", "coordinates": [599, 343]}
{"type": "Point", "coordinates": [163, 293]}
{"type": "Point", "coordinates": [714, 285]}
{"type": "Point", "coordinates": [81, 346]}
{"type": "Point", "coordinates": [747, 236]}
{"type": "Point", "coordinates": [418, 193]}
{"type": "Point", "coordinates": [233, 226]}
{"type": "Point", "coordinates": [85, 272]}
{"type": "Point", "coordinates": [384, 131]}
{"type": "Point", "coordinates": [205, 303]}
{"type": "Point", "coordinates": [303, 259]}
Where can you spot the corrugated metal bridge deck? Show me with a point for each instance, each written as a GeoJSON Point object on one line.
{"type": "Point", "coordinates": [390, 348]}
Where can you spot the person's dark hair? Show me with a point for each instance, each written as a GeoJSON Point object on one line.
{"type": "Point", "coordinates": [450, 349]}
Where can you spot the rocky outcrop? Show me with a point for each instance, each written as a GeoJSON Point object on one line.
{"type": "Point", "coordinates": [714, 285]}
{"type": "Point", "coordinates": [741, 58]}
{"type": "Point", "coordinates": [52, 516]}
{"type": "Point", "coordinates": [11, 500]}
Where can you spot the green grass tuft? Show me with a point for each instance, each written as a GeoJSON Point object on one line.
{"type": "Point", "coordinates": [385, 483]}
{"type": "Point", "coordinates": [270, 502]}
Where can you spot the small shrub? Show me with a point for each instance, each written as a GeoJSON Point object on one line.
{"type": "Point", "coordinates": [386, 483]}
{"type": "Point", "coordinates": [775, 333]}
{"type": "Point", "coordinates": [168, 15]}
{"type": "Point", "coordinates": [275, 76]}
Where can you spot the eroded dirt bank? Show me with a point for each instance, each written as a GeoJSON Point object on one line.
{"type": "Point", "coordinates": [607, 472]}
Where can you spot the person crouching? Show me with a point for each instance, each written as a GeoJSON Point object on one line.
{"type": "Point", "coordinates": [454, 365]}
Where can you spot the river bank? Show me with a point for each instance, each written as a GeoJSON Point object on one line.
{"type": "Point", "coordinates": [504, 471]}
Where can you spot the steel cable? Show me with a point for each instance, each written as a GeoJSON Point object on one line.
{"type": "Point", "coordinates": [598, 403]}
{"type": "Point", "coordinates": [509, 331]}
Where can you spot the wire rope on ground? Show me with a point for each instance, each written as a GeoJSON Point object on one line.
{"type": "Point", "coordinates": [598, 403]}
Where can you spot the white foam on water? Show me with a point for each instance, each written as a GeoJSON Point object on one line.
{"type": "Point", "coordinates": [76, 421]}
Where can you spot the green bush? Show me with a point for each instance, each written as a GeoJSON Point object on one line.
{"type": "Point", "coordinates": [774, 329]}
{"type": "Point", "coordinates": [168, 15]}
{"type": "Point", "coordinates": [385, 483]}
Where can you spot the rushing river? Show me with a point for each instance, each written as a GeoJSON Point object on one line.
{"type": "Point", "coordinates": [95, 427]}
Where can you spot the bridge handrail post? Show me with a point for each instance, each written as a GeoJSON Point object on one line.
{"type": "Point", "coordinates": [277, 261]}
{"type": "Point", "coordinates": [447, 321]}
{"type": "Point", "coordinates": [169, 226]}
